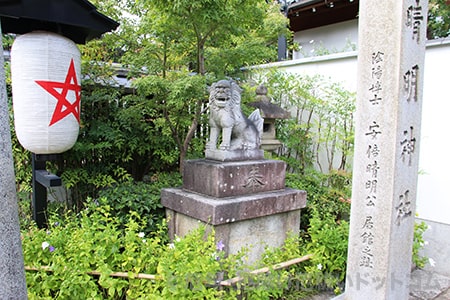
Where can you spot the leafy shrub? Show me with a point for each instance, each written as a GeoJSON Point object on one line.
{"type": "Point", "coordinates": [141, 197]}
{"type": "Point", "coordinates": [325, 229]}
{"type": "Point", "coordinates": [75, 245]}
{"type": "Point", "coordinates": [320, 132]}
{"type": "Point", "coordinates": [328, 242]}
{"type": "Point", "coordinates": [418, 260]}
{"type": "Point", "coordinates": [329, 194]}
{"type": "Point", "coordinates": [64, 256]}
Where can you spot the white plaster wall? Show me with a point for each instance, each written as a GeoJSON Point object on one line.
{"type": "Point", "coordinates": [339, 37]}
{"type": "Point", "coordinates": [433, 199]}
{"type": "Point", "coordinates": [339, 67]}
{"type": "Point", "coordinates": [436, 247]}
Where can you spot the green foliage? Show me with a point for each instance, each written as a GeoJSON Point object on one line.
{"type": "Point", "coordinates": [328, 241]}
{"type": "Point", "coordinates": [178, 100]}
{"type": "Point", "coordinates": [190, 267]}
{"type": "Point", "coordinates": [122, 137]}
{"type": "Point", "coordinates": [141, 197]}
{"type": "Point", "coordinates": [290, 283]}
{"type": "Point", "coordinates": [127, 134]}
{"type": "Point", "coordinates": [75, 245]}
{"type": "Point", "coordinates": [65, 255]}
{"type": "Point", "coordinates": [171, 41]}
{"type": "Point", "coordinates": [438, 19]}
{"type": "Point", "coordinates": [296, 137]}
{"type": "Point", "coordinates": [253, 44]}
{"type": "Point", "coordinates": [327, 193]}
{"type": "Point", "coordinates": [219, 36]}
{"type": "Point", "coordinates": [7, 40]}
{"type": "Point", "coordinates": [325, 270]}
{"type": "Point", "coordinates": [22, 157]}
{"type": "Point", "coordinates": [324, 230]}
{"type": "Point", "coordinates": [418, 260]}
{"type": "Point", "coordinates": [320, 133]}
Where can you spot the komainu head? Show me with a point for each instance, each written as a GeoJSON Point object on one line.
{"type": "Point", "coordinates": [225, 94]}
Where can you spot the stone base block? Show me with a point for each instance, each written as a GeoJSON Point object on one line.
{"type": "Point", "coordinates": [253, 234]}
{"type": "Point", "coordinates": [251, 221]}
{"type": "Point", "coordinates": [228, 210]}
{"type": "Point", "coordinates": [226, 179]}
{"type": "Point", "coordinates": [234, 155]}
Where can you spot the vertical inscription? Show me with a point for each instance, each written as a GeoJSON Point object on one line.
{"type": "Point", "coordinates": [408, 141]}
{"type": "Point", "coordinates": [374, 130]}
{"type": "Point", "coordinates": [407, 145]}
{"type": "Point", "coordinates": [414, 20]}
{"type": "Point", "coordinates": [403, 209]}
{"type": "Point", "coordinates": [367, 239]}
{"type": "Point", "coordinates": [377, 72]}
{"type": "Point", "coordinates": [372, 167]}
{"type": "Point", "coordinates": [410, 84]}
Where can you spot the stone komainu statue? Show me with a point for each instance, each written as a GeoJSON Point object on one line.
{"type": "Point", "coordinates": [226, 118]}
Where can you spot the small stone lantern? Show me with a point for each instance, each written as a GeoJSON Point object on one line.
{"type": "Point", "coordinates": [270, 112]}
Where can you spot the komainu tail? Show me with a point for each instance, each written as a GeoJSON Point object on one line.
{"type": "Point", "coordinates": [256, 118]}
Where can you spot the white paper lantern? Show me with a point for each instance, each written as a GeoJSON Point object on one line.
{"type": "Point", "coordinates": [45, 74]}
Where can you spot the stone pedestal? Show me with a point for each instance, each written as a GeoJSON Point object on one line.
{"type": "Point", "coordinates": [246, 203]}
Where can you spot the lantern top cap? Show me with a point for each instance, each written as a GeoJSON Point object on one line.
{"type": "Point", "coordinates": [269, 110]}
{"type": "Point", "coordinates": [77, 20]}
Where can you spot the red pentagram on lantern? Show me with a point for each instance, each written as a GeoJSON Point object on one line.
{"type": "Point", "coordinates": [59, 90]}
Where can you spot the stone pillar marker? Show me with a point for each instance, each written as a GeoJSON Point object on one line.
{"type": "Point", "coordinates": [392, 36]}
{"type": "Point", "coordinates": [12, 272]}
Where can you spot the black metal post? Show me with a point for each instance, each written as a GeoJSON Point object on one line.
{"type": "Point", "coordinates": [41, 181]}
{"type": "Point", "coordinates": [282, 42]}
{"type": "Point", "coordinates": [39, 203]}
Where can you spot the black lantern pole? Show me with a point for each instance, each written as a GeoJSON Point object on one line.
{"type": "Point", "coordinates": [42, 180]}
